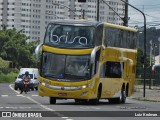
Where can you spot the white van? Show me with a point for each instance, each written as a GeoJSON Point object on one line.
{"type": "Point", "coordinates": [34, 74]}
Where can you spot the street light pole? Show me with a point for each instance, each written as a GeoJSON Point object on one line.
{"type": "Point", "coordinates": [144, 55]}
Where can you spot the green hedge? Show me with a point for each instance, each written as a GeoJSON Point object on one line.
{"type": "Point", "coordinates": [8, 78]}
{"type": "Point", "coordinates": [4, 64]}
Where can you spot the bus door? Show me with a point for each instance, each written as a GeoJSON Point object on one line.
{"type": "Point", "coordinates": [111, 74]}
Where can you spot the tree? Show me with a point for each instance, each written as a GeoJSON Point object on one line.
{"type": "Point", "coordinates": [140, 59]}
{"type": "Point", "coordinates": [13, 47]}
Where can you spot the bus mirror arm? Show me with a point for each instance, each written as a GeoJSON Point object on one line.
{"type": "Point", "coordinates": [124, 59]}
{"type": "Point", "coordinates": [37, 50]}
{"type": "Point", "coordinates": [103, 47]}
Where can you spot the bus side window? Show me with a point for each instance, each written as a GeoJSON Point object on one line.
{"type": "Point", "coordinates": [113, 70]}
{"type": "Point", "coordinates": [102, 70]}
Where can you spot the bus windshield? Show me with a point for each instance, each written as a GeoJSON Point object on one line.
{"type": "Point", "coordinates": [69, 36]}
{"type": "Point", "coordinates": [70, 68]}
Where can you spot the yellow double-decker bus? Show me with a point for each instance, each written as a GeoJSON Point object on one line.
{"type": "Point", "coordinates": [87, 61]}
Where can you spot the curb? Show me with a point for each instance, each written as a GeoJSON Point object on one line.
{"type": "Point", "coordinates": [144, 99]}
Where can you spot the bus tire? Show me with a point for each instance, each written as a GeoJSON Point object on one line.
{"type": "Point", "coordinates": [123, 96]}
{"type": "Point", "coordinates": [52, 100]}
{"type": "Point", "coordinates": [96, 101]}
{"type": "Point", "coordinates": [120, 99]}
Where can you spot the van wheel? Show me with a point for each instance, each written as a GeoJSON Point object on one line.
{"type": "Point", "coordinates": [52, 100]}
{"type": "Point", "coordinates": [15, 88]}
{"type": "Point", "coordinates": [36, 88]}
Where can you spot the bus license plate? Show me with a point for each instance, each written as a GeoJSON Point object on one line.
{"type": "Point", "coordinates": [62, 94]}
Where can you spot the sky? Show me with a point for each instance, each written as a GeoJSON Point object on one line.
{"type": "Point", "coordinates": [151, 8]}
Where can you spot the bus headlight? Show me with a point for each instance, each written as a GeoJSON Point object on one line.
{"type": "Point", "coordinates": [87, 86]}
{"type": "Point", "coordinates": [84, 86]}
{"type": "Point", "coordinates": [44, 84]}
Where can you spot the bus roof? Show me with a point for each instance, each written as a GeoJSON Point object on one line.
{"type": "Point", "coordinates": [74, 22]}
{"type": "Point", "coordinates": [84, 22]}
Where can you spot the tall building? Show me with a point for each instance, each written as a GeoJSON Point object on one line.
{"type": "Point", "coordinates": [108, 10]}
{"type": "Point", "coordinates": [28, 16]}
{"type": "Point", "coordinates": [32, 16]}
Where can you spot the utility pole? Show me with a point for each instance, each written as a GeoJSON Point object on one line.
{"type": "Point", "coordinates": [159, 49]}
{"type": "Point", "coordinates": [83, 14]}
{"type": "Point", "coordinates": [154, 45]}
{"type": "Point", "coordinates": [125, 23]}
{"type": "Point", "coordinates": [151, 48]}
{"type": "Point", "coordinates": [97, 10]}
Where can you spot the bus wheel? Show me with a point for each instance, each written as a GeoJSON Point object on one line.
{"type": "Point", "coordinates": [123, 96]}
{"type": "Point", "coordinates": [96, 101]}
{"type": "Point", "coordinates": [120, 99]}
{"type": "Point", "coordinates": [52, 100]}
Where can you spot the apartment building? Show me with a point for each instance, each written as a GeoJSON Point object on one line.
{"type": "Point", "coordinates": [28, 16]}
{"type": "Point", "coordinates": [32, 16]}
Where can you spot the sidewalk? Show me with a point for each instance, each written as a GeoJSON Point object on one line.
{"type": "Point", "coordinates": [152, 95]}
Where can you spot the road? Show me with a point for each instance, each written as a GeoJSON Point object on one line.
{"type": "Point", "coordinates": [11, 100]}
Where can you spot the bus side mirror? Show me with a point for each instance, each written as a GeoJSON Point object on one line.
{"type": "Point", "coordinates": [89, 69]}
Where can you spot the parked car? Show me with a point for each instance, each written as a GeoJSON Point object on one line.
{"type": "Point", "coordinates": [34, 81]}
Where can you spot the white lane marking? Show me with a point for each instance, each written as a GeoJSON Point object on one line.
{"type": "Point", "coordinates": [13, 88]}
{"type": "Point", "coordinates": [34, 95]}
{"type": "Point", "coordinates": [11, 107]}
{"type": "Point", "coordinates": [25, 107]}
{"type": "Point", "coordinates": [4, 95]}
{"type": "Point", "coordinates": [90, 108]}
{"type": "Point", "coordinates": [64, 117]}
{"type": "Point", "coordinates": [19, 95]}
{"type": "Point", "coordinates": [16, 107]}
{"type": "Point", "coordinates": [43, 106]}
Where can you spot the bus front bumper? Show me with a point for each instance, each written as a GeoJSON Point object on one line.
{"type": "Point", "coordinates": [83, 93]}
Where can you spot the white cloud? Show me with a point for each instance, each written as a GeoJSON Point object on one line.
{"type": "Point", "coordinates": [150, 7]}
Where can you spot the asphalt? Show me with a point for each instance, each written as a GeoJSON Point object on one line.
{"type": "Point", "coordinates": [152, 94]}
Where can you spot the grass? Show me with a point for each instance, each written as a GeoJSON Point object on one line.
{"type": "Point", "coordinates": [7, 78]}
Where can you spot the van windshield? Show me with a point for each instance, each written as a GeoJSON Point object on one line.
{"type": "Point", "coordinates": [20, 76]}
